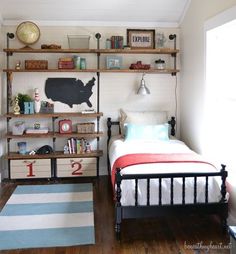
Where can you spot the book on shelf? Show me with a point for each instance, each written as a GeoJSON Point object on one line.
{"type": "Point", "coordinates": [69, 146]}
{"type": "Point", "coordinates": [73, 145]}
{"type": "Point", "coordinates": [76, 146]}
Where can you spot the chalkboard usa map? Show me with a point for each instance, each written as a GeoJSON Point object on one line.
{"type": "Point", "coordinates": [69, 90]}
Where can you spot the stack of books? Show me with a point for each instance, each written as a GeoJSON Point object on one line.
{"type": "Point", "coordinates": [77, 146]}
{"type": "Point", "coordinates": [66, 63]}
{"type": "Point", "coordinates": [117, 42]}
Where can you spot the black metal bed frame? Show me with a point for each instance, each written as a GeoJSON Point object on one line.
{"type": "Point", "coordinates": [147, 211]}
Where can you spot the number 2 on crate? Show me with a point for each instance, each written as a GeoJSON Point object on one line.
{"type": "Point", "coordinates": [77, 167]}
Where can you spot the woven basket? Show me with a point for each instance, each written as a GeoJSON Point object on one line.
{"type": "Point", "coordinates": [85, 128]}
{"type": "Point", "coordinates": [36, 64]}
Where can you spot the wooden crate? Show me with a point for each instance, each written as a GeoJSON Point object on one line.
{"type": "Point", "coordinates": [76, 167]}
{"type": "Point", "coordinates": [30, 168]}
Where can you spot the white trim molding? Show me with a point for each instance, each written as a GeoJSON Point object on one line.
{"type": "Point", "coordinates": [184, 12]}
{"type": "Point", "coordinates": [220, 19]}
{"type": "Point", "coordinates": [94, 23]}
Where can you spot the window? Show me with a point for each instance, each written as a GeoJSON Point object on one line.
{"type": "Point", "coordinates": [220, 98]}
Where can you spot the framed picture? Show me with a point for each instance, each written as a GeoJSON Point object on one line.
{"type": "Point", "coordinates": [141, 39]}
{"type": "Point", "coordinates": [113, 62]}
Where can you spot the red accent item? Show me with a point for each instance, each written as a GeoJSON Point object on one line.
{"type": "Point", "coordinates": [65, 126]}
{"type": "Point", "coordinates": [138, 65]}
{"type": "Point", "coordinates": [78, 168]}
{"type": "Point", "coordinates": [134, 159]}
{"type": "Point", "coordinates": [30, 167]}
{"type": "Point", "coordinates": [66, 65]}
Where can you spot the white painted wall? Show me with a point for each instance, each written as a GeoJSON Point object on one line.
{"type": "Point", "coordinates": [117, 90]}
{"type": "Point", "coordinates": [192, 67]}
{"type": "Point", "coordinates": [192, 91]}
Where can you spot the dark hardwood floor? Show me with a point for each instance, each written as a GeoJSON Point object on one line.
{"type": "Point", "coordinates": [161, 236]}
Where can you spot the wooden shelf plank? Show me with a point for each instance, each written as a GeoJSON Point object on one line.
{"type": "Point", "coordinates": [97, 153]}
{"type": "Point", "coordinates": [165, 71]}
{"type": "Point", "coordinates": [58, 114]}
{"type": "Point", "coordinates": [39, 115]}
{"type": "Point", "coordinates": [78, 114]}
{"type": "Point", "coordinates": [56, 135]}
{"type": "Point", "coordinates": [38, 135]}
{"type": "Point", "coordinates": [17, 156]}
{"type": "Point", "coordinates": [57, 154]}
{"type": "Point", "coordinates": [156, 71]}
{"type": "Point", "coordinates": [31, 50]}
{"type": "Point", "coordinates": [78, 135]}
{"type": "Point", "coordinates": [101, 51]}
{"type": "Point", "coordinates": [139, 51]}
{"type": "Point", "coordinates": [51, 70]}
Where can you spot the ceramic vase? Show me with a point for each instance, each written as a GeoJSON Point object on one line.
{"type": "Point", "coordinates": [37, 102]}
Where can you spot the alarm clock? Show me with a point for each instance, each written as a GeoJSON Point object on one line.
{"type": "Point", "coordinates": [65, 126]}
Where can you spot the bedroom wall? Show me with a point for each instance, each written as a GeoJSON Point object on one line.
{"type": "Point", "coordinates": [192, 89]}
{"type": "Point", "coordinates": [192, 67]}
{"type": "Point", "coordinates": [117, 90]}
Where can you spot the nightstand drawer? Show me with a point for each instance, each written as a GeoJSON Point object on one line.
{"type": "Point", "coordinates": [76, 167]}
{"type": "Point", "coordinates": [38, 168]}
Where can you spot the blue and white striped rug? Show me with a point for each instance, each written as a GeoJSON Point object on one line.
{"type": "Point", "coordinates": [48, 216]}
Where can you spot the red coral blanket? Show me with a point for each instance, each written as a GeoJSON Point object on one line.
{"type": "Point", "coordinates": [144, 158]}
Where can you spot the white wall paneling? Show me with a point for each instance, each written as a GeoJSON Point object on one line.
{"type": "Point", "coordinates": [117, 90]}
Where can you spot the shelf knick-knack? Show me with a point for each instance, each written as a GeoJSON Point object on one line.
{"type": "Point", "coordinates": [160, 40]}
{"type": "Point", "coordinates": [16, 108]}
{"type": "Point", "coordinates": [18, 65]}
{"type": "Point", "coordinates": [37, 102]}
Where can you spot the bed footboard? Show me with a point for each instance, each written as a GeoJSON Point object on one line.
{"type": "Point", "coordinates": [143, 211]}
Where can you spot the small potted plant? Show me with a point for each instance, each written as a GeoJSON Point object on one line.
{"type": "Point", "coordinates": [23, 98]}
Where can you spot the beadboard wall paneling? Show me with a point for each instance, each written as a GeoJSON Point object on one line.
{"type": "Point", "coordinates": [117, 90]}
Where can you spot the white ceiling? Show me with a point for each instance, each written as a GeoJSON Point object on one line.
{"type": "Point", "coordinates": [91, 12]}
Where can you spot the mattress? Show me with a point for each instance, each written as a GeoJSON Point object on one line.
{"type": "Point", "coordinates": [118, 147]}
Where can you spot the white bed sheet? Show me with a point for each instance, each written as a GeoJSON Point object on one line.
{"type": "Point", "coordinates": [119, 147]}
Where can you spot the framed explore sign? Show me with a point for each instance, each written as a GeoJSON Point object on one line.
{"type": "Point", "coordinates": [141, 39]}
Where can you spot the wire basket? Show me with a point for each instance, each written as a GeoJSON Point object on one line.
{"type": "Point", "coordinates": [78, 41]}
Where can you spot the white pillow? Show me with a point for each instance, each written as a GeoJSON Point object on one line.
{"type": "Point", "coordinates": [142, 117]}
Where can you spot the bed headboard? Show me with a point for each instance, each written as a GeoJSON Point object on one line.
{"type": "Point", "coordinates": [110, 123]}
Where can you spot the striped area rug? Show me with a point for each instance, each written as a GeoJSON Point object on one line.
{"type": "Point", "coordinates": [48, 216]}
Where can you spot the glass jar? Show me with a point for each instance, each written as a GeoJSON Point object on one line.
{"type": "Point", "coordinates": [160, 40]}
{"type": "Point", "coordinates": [22, 147]}
{"type": "Point", "coordinates": [76, 62]}
{"type": "Point", "coordinates": [160, 64]}
{"type": "Point", "coordinates": [82, 63]}
{"type": "Point", "coordinates": [108, 43]}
